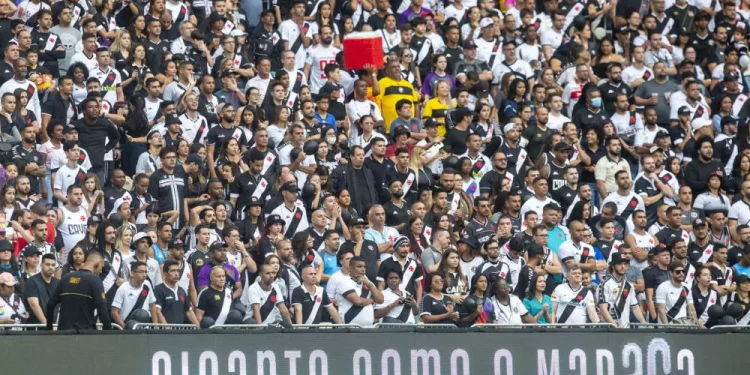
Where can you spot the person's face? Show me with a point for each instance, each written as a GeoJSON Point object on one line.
{"type": "Point", "coordinates": [639, 220]}
{"type": "Point", "coordinates": [9, 104]}
{"type": "Point", "coordinates": [678, 274]}
{"type": "Point", "coordinates": [40, 232]}
{"type": "Point", "coordinates": [707, 151]}
{"type": "Point", "coordinates": [693, 92]}
{"type": "Point", "coordinates": [109, 235]}
{"type": "Point", "coordinates": [541, 188]}
{"type": "Point", "coordinates": [23, 186]}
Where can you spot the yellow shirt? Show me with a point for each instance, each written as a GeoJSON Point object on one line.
{"type": "Point", "coordinates": [437, 110]}
{"type": "Point", "coordinates": [390, 93]}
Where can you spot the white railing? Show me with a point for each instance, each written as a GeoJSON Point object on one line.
{"type": "Point", "coordinates": [162, 326]}
{"type": "Point", "coordinates": [43, 327]}
{"type": "Point", "coordinates": [537, 325]}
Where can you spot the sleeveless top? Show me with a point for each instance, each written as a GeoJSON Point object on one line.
{"type": "Point", "coordinates": [73, 227]}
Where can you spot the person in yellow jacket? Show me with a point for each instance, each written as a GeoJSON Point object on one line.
{"type": "Point", "coordinates": [392, 89]}
{"type": "Point", "coordinates": [439, 106]}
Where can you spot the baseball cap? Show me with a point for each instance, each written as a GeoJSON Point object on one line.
{"type": "Point", "coordinates": [218, 245]}
{"type": "Point", "coordinates": [430, 123]}
{"type": "Point", "coordinates": [255, 201]}
{"type": "Point", "coordinates": [485, 22]}
{"type": "Point", "coordinates": [289, 186]}
{"type": "Point", "coordinates": [215, 16]}
{"type": "Point", "coordinates": [171, 118]}
{"type": "Point", "coordinates": [7, 279]}
{"type": "Point", "coordinates": [699, 223]}
{"type": "Point", "coordinates": [469, 241]}
{"type": "Point", "coordinates": [617, 258]}
{"type": "Point", "coordinates": [31, 250]}
{"type": "Point", "coordinates": [731, 76]}
{"type": "Point", "coordinates": [400, 130]}
{"type": "Point", "coordinates": [684, 110]}
{"type": "Point", "coordinates": [357, 221]}
{"type": "Point", "coordinates": [700, 123]}
{"type": "Point", "coordinates": [560, 146]}
{"type": "Point", "coordinates": [94, 220]}
{"type": "Point", "coordinates": [728, 120]}
{"type": "Point", "coordinates": [69, 129]}
{"type": "Point", "coordinates": [654, 149]}
{"type": "Point", "coordinates": [5, 245]}
{"type": "Point", "coordinates": [194, 158]}
{"type": "Point", "coordinates": [469, 44]}
{"type": "Point", "coordinates": [176, 244]}
{"type": "Point", "coordinates": [227, 73]}
{"type": "Point", "coordinates": [274, 219]}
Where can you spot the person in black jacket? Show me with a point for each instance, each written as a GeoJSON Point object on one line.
{"type": "Point", "coordinates": [699, 170]}
{"type": "Point", "coordinates": [358, 181]}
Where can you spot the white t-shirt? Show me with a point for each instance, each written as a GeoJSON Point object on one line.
{"type": "Point", "coordinates": [510, 313]}
{"type": "Point", "coordinates": [389, 297]}
{"type": "Point", "coordinates": [127, 295]}
{"type": "Point", "coordinates": [290, 31]}
{"type": "Point", "coordinates": [569, 250]}
{"type": "Point", "coordinates": [66, 176]}
{"type": "Point", "coordinates": [551, 38]}
{"type": "Point", "coordinates": [668, 294]}
{"type": "Point", "coordinates": [8, 309]}
{"type": "Point", "coordinates": [318, 57]}
{"type": "Point", "coordinates": [740, 211]}
{"type": "Point", "coordinates": [536, 205]}
{"type": "Point", "coordinates": [255, 295]}
{"type": "Point", "coordinates": [631, 73]}
{"type": "Point", "coordinates": [565, 296]}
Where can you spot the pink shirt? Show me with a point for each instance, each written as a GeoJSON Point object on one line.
{"type": "Point", "coordinates": [47, 149]}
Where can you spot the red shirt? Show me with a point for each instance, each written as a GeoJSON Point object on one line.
{"type": "Point", "coordinates": [21, 242]}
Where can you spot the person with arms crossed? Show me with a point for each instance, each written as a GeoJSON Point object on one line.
{"type": "Point", "coordinates": [172, 303]}
{"type": "Point", "coordinates": [266, 302]}
{"type": "Point", "coordinates": [357, 295]}
{"type": "Point", "coordinates": [616, 297]}
{"type": "Point", "coordinates": [308, 298]}
{"type": "Point", "coordinates": [134, 295]}
{"type": "Point", "coordinates": [673, 299]}
{"type": "Point", "coordinates": [39, 288]}
{"type": "Point", "coordinates": [571, 302]}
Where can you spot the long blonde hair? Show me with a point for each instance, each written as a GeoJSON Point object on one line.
{"type": "Point", "coordinates": [415, 161]}
{"type": "Point", "coordinates": [118, 236]}
{"type": "Point", "coordinates": [117, 44]}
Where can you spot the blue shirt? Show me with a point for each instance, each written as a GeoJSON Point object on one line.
{"type": "Point", "coordinates": [739, 270]}
{"type": "Point", "coordinates": [159, 254]}
{"type": "Point", "coordinates": [534, 307]}
{"type": "Point", "coordinates": [555, 238]}
{"type": "Point", "coordinates": [330, 120]}
{"type": "Point", "coordinates": [330, 265]}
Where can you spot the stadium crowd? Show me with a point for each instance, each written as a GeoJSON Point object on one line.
{"type": "Point", "coordinates": [521, 162]}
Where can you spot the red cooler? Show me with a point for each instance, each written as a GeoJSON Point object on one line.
{"type": "Point", "coordinates": [362, 48]}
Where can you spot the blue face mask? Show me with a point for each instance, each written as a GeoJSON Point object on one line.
{"type": "Point", "coordinates": [596, 102]}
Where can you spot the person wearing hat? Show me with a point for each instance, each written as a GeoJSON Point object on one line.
{"type": "Point", "coordinates": [470, 63]}
{"type": "Point", "coordinates": [401, 262]}
{"type": "Point", "coordinates": [674, 300]}
{"type": "Point", "coordinates": [616, 297]}
{"type": "Point", "coordinates": [218, 258]}
{"type": "Point", "coordinates": [149, 161]}
{"type": "Point", "coordinates": [173, 133]}
{"type": "Point", "coordinates": [724, 143]}
{"type": "Point", "coordinates": [252, 225]}
{"type": "Point", "coordinates": [12, 309]}
{"type": "Point", "coordinates": [555, 166]}
{"type": "Point", "coordinates": [292, 214]}
{"type": "Point", "coordinates": [141, 245]}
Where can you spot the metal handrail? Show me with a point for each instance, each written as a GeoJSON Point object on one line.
{"type": "Point", "coordinates": [739, 328]}
{"type": "Point", "coordinates": [43, 327]}
{"type": "Point", "coordinates": [240, 326]}
{"type": "Point", "coordinates": [661, 326]}
{"type": "Point", "coordinates": [415, 325]}
{"type": "Point", "coordinates": [327, 325]}
{"type": "Point", "coordinates": [182, 327]}
{"type": "Point", "coordinates": [550, 325]}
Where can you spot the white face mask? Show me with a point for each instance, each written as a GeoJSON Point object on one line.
{"type": "Point", "coordinates": [331, 139]}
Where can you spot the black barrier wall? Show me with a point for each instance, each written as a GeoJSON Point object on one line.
{"type": "Point", "coordinates": [378, 352]}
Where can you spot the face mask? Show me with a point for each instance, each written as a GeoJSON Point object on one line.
{"type": "Point", "coordinates": [596, 102]}
{"type": "Point", "coordinates": [331, 139]}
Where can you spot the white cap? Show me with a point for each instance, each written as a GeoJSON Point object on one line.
{"type": "Point", "coordinates": [486, 22]}
{"type": "Point", "coordinates": [700, 123]}
{"type": "Point", "coordinates": [508, 127]}
{"type": "Point", "coordinates": [237, 32]}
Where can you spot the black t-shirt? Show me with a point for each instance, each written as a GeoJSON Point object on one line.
{"type": "Point", "coordinates": [537, 138]}
{"type": "Point", "coordinates": [605, 247]}
{"type": "Point", "coordinates": [411, 267]}
{"type": "Point", "coordinates": [653, 277]}
{"type": "Point", "coordinates": [338, 110]}
{"type": "Point", "coordinates": [78, 294]}
{"type": "Point", "coordinates": [21, 154]}
{"type": "Point", "coordinates": [211, 301]}
{"type": "Point", "coordinates": [36, 287]}
{"type": "Point", "coordinates": [369, 251]}
{"type": "Point", "coordinates": [174, 304]}
{"type": "Point", "coordinates": [565, 196]}
{"type": "Point", "coordinates": [521, 289]}
{"type": "Point", "coordinates": [302, 297]}
{"type": "Point", "coordinates": [395, 215]}
{"type": "Point", "coordinates": [609, 94]}
{"type": "Point", "coordinates": [433, 306]}
{"type": "Point", "coordinates": [453, 55]}
{"type": "Point", "coordinates": [197, 260]}
{"type": "Point", "coordinates": [455, 140]}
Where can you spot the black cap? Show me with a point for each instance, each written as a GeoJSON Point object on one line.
{"type": "Point", "coordinates": [430, 123]}
{"type": "Point", "coordinates": [265, 12]}
{"type": "Point", "coordinates": [623, 29]}
{"type": "Point", "coordinates": [356, 220]}
{"type": "Point", "coordinates": [684, 110]}
{"type": "Point", "coordinates": [194, 159]}
{"type": "Point", "coordinates": [400, 130]}
{"type": "Point", "coordinates": [176, 244]}
{"type": "Point", "coordinates": [560, 146]}
{"type": "Point", "coordinates": [274, 219]}
{"type": "Point", "coordinates": [660, 249]}
{"type": "Point", "coordinates": [69, 128]}
{"type": "Point", "coordinates": [617, 258]}
{"type": "Point", "coordinates": [255, 201]}
{"type": "Point", "coordinates": [31, 250]}
{"type": "Point", "coordinates": [227, 73]}
{"type": "Point", "coordinates": [218, 245]}
{"type": "Point", "coordinates": [289, 186]}
{"type": "Point", "coordinates": [94, 220]}
{"type": "Point", "coordinates": [171, 118]}
{"type": "Point", "coordinates": [741, 279]}
{"type": "Point", "coordinates": [469, 44]}
{"type": "Point", "coordinates": [699, 223]}
{"type": "Point", "coordinates": [216, 16]}
{"type": "Point", "coordinates": [469, 240]}
{"type": "Point", "coordinates": [5, 245]}
{"type": "Point", "coordinates": [731, 76]}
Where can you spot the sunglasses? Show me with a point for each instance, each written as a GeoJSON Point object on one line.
{"type": "Point", "coordinates": [679, 272]}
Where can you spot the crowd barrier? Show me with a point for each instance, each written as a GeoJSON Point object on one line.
{"type": "Point", "coordinates": [43, 327]}
{"type": "Point", "coordinates": [414, 350]}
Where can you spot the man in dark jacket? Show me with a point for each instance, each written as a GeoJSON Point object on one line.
{"type": "Point", "coordinates": [96, 135]}
{"type": "Point", "coordinates": [358, 180]}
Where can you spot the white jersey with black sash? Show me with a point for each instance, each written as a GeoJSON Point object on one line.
{"type": "Point", "coordinates": [295, 219]}
{"type": "Point", "coordinates": [73, 227]}
{"type": "Point", "coordinates": [351, 313]}
{"type": "Point", "coordinates": [267, 301]}
{"type": "Point", "coordinates": [194, 128]}
{"type": "Point", "coordinates": [572, 304]}
{"type": "Point", "coordinates": [703, 301]}
{"type": "Point", "coordinates": [619, 296]}
{"type": "Point", "coordinates": [400, 313]}
{"type": "Point", "coordinates": [675, 298]}
{"type": "Point", "coordinates": [114, 264]}
{"type": "Point", "coordinates": [130, 298]}
{"type": "Point", "coordinates": [311, 303]}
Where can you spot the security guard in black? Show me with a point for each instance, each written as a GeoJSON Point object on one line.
{"type": "Point", "coordinates": [78, 294]}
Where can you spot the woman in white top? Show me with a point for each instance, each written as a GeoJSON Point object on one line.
{"type": "Point", "coordinates": [278, 127]}
{"type": "Point", "coordinates": [399, 306]}
{"type": "Point", "coordinates": [712, 199]}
